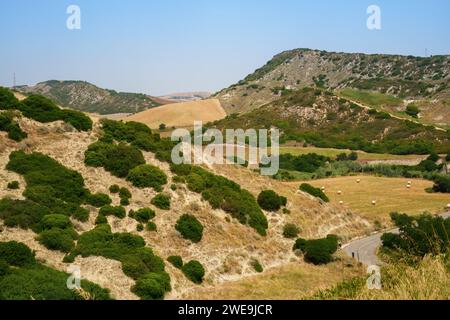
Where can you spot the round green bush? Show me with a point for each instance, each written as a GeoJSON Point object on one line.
{"type": "Point", "coordinates": [140, 227]}
{"type": "Point", "coordinates": [190, 228]}
{"type": "Point", "coordinates": [290, 231]}
{"type": "Point", "coordinates": [300, 244]}
{"type": "Point", "coordinates": [14, 185]}
{"type": "Point", "coordinates": [151, 226]}
{"type": "Point", "coordinates": [176, 261]}
{"type": "Point", "coordinates": [16, 254]}
{"type": "Point", "coordinates": [147, 176]}
{"type": "Point", "coordinates": [81, 214]}
{"type": "Point", "coordinates": [124, 193]}
{"type": "Point", "coordinates": [194, 271]}
{"type": "Point", "coordinates": [124, 202]}
{"type": "Point", "coordinates": [57, 239]}
{"type": "Point", "coordinates": [108, 210]}
{"type": "Point", "coordinates": [152, 286]}
{"type": "Point", "coordinates": [257, 265]}
{"type": "Point", "coordinates": [144, 215]}
{"type": "Point", "coordinates": [114, 188]}
{"type": "Point", "coordinates": [161, 201]}
{"type": "Point", "coordinates": [195, 183]}
{"type": "Point", "coordinates": [269, 200]}
{"type": "Point", "coordinates": [98, 200]}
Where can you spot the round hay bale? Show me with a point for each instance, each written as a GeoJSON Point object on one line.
{"type": "Point", "coordinates": [341, 202]}
{"type": "Point", "coordinates": [374, 202]}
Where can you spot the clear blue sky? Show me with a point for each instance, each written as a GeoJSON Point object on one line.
{"type": "Point", "coordinates": [163, 46]}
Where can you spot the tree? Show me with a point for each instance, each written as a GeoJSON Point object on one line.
{"type": "Point", "coordinates": [162, 126]}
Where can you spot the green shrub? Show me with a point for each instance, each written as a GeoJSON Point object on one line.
{"type": "Point", "coordinates": [124, 202]}
{"type": "Point", "coordinates": [412, 110]}
{"type": "Point", "coordinates": [81, 214]}
{"type": "Point", "coordinates": [152, 286]}
{"type": "Point", "coordinates": [257, 265]}
{"type": "Point", "coordinates": [144, 215]}
{"type": "Point", "coordinates": [98, 200]}
{"type": "Point", "coordinates": [194, 271]}
{"type": "Point", "coordinates": [290, 231]}
{"type": "Point", "coordinates": [117, 159]}
{"type": "Point", "coordinates": [55, 221]}
{"type": "Point", "coordinates": [7, 100]}
{"type": "Point", "coordinates": [315, 192]}
{"type": "Point", "coordinates": [269, 200]}
{"type": "Point", "coordinates": [57, 239]}
{"type": "Point", "coordinates": [318, 251]}
{"type": "Point", "coordinates": [161, 201]}
{"type": "Point", "coordinates": [442, 184]}
{"type": "Point", "coordinates": [8, 125]}
{"type": "Point", "coordinates": [101, 219]}
{"type": "Point", "coordinates": [108, 210]}
{"type": "Point", "coordinates": [4, 268]}
{"type": "Point", "coordinates": [44, 110]}
{"type": "Point", "coordinates": [124, 193]}
{"type": "Point", "coordinates": [16, 254]}
{"type": "Point", "coordinates": [14, 185]}
{"type": "Point", "coordinates": [151, 226]}
{"type": "Point", "coordinates": [140, 227]}
{"type": "Point", "coordinates": [176, 261]}
{"type": "Point", "coordinates": [114, 188]}
{"type": "Point", "coordinates": [24, 214]}
{"type": "Point", "coordinates": [147, 176]}
{"type": "Point", "coordinates": [190, 228]}
{"type": "Point", "coordinates": [300, 244]}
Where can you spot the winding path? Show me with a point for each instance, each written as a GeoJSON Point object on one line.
{"type": "Point", "coordinates": [365, 250]}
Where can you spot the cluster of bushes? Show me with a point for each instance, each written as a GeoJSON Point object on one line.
{"type": "Point", "coordinates": [303, 163]}
{"type": "Point", "coordinates": [13, 129]}
{"type": "Point", "coordinates": [44, 110]}
{"type": "Point", "coordinates": [118, 159]}
{"type": "Point", "coordinates": [352, 156]}
{"type": "Point", "coordinates": [224, 194]}
{"type": "Point", "coordinates": [190, 228]}
{"type": "Point", "coordinates": [98, 200]}
{"type": "Point", "coordinates": [142, 215]}
{"type": "Point", "coordinates": [23, 278]}
{"type": "Point", "coordinates": [124, 194]}
{"type": "Point", "coordinates": [108, 210]}
{"type": "Point", "coordinates": [147, 176]}
{"type": "Point", "coordinates": [138, 261]}
{"type": "Point", "coordinates": [139, 136]}
{"type": "Point", "coordinates": [315, 192]}
{"type": "Point", "coordinates": [419, 236]}
{"type": "Point", "coordinates": [269, 200]}
{"type": "Point", "coordinates": [318, 251]}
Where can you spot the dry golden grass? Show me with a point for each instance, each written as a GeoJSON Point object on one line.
{"type": "Point", "coordinates": [181, 114]}
{"type": "Point", "coordinates": [391, 195]}
{"type": "Point", "coordinates": [293, 281]}
{"type": "Point", "coordinates": [430, 280]}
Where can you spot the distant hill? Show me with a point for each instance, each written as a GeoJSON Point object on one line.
{"type": "Point", "coordinates": [181, 114]}
{"type": "Point", "coordinates": [404, 77]}
{"type": "Point", "coordinates": [84, 96]}
{"type": "Point", "coordinates": [186, 96]}
{"type": "Point", "coordinates": [320, 118]}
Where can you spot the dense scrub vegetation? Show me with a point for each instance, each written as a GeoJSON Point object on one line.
{"type": "Point", "coordinates": [176, 261]}
{"type": "Point", "coordinates": [318, 251]}
{"type": "Point", "coordinates": [147, 176]}
{"type": "Point", "coordinates": [118, 159]}
{"type": "Point", "coordinates": [269, 200]}
{"type": "Point", "coordinates": [224, 194]}
{"type": "Point", "coordinates": [10, 126]}
{"type": "Point", "coordinates": [43, 110]}
{"type": "Point", "coordinates": [190, 228]}
{"type": "Point", "coordinates": [345, 126]}
{"type": "Point", "coordinates": [419, 236]}
{"type": "Point", "coordinates": [143, 215]}
{"type": "Point", "coordinates": [161, 201]}
{"type": "Point", "coordinates": [23, 278]}
{"type": "Point", "coordinates": [315, 192]}
{"type": "Point", "coordinates": [138, 261]}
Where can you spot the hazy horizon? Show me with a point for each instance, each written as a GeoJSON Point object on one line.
{"type": "Point", "coordinates": [163, 47]}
